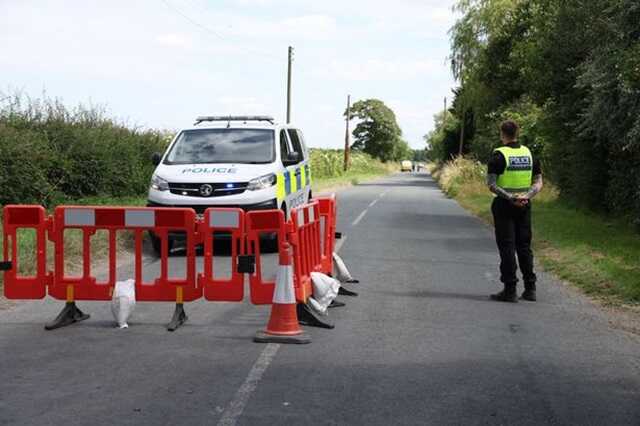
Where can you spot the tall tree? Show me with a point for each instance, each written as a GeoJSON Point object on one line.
{"type": "Point", "coordinates": [377, 133]}
{"type": "Point", "coordinates": [568, 71]}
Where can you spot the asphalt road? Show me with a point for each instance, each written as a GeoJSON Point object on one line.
{"type": "Point", "coordinates": [422, 344]}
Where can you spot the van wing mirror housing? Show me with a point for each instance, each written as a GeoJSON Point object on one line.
{"type": "Point", "coordinates": [294, 157]}
{"type": "Point", "coordinates": [155, 158]}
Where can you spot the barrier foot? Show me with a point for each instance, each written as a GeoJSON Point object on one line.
{"type": "Point", "coordinates": [265, 337]}
{"type": "Point", "coordinates": [346, 292]}
{"type": "Point", "coordinates": [336, 304]}
{"type": "Point", "coordinates": [70, 314]}
{"type": "Point", "coordinates": [307, 317]}
{"type": "Point", "coordinates": [179, 318]}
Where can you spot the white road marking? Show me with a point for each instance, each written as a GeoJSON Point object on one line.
{"type": "Point", "coordinates": [383, 194]}
{"type": "Point", "coordinates": [236, 406]}
{"type": "Point", "coordinates": [359, 218]}
{"type": "Point", "coordinates": [373, 203]}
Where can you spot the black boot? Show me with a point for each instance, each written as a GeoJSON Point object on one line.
{"type": "Point", "coordinates": [529, 292]}
{"type": "Point", "coordinates": [507, 295]}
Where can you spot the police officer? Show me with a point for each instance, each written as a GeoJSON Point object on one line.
{"type": "Point", "coordinates": [515, 177]}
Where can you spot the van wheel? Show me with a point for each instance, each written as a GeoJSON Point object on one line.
{"type": "Point", "coordinates": [269, 243]}
{"type": "Point", "coordinates": [156, 243]}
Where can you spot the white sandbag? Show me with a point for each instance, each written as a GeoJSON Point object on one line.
{"type": "Point", "coordinates": [325, 289]}
{"type": "Point", "coordinates": [342, 273]}
{"type": "Point", "coordinates": [316, 306]}
{"type": "Point", "coordinates": [123, 301]}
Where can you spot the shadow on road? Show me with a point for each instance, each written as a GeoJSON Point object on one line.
{"type": "Point", "coordinates": [425, 222]}
{"type": "Point", "coordinates": [435, 295]}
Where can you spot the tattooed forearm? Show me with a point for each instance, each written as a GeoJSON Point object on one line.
{"type": "Point", "coordinates": [536, 187]}
{"type": "Point", "coordinates": [492, 180]}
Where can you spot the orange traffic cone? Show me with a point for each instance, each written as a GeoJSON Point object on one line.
{"type": "Point", "coordinates": [283, 326]}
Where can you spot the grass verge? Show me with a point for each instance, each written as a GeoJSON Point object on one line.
{"type": "Point", "coordinates": [597, 253]}
{"type": "Point", "coordinates": [348, 179]}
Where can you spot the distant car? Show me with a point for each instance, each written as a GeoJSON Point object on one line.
{"type": "Point", "coordinates": [406, 166]}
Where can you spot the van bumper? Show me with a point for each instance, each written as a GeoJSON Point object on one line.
{"type": "Point", "coordinates": [199, 209]}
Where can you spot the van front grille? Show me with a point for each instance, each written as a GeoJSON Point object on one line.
{"type": "Point", "coordinates": [208, 189]}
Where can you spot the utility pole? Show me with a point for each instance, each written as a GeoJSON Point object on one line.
{"type": "Point", "coordinates": [346, 134]}
{"type": "Point", "coordinates": [444, 114]}
{"type": "Point", "coordinates": [462, 122]}
{"type": "Point", "coordinates": [290, 59]}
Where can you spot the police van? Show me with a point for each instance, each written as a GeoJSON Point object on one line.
{"type": "Point", "coordinates": [250, 162]}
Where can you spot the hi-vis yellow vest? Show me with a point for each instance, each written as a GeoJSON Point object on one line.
{"type": "Point", "coordinates": [519, 171]}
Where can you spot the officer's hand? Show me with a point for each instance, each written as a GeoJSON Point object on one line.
{"type": "Point", "coordinates": [521, 201]}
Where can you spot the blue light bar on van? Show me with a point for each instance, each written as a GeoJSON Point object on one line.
{"type": "Point", "coordinates": [234, 118]}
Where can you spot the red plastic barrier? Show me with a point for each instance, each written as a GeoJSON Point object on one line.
{"type": "Point", "coordinates": [312, 250]}
{"type": "Point", "coordinates": [305, 239]}
{"type": "Point", "coordinates": [139, 220]}
{"type": "Point", "coordinates": [328, 211]}
{"type": "Point", "coordinates": [261, 222]}
{"type": "Point", "coordinates": [25, 217]}
{"type": "Point", "coordinates": [229, 221]}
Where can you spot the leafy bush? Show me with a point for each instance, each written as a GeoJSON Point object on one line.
{"type": "Point", "coordinates": [461, 171]}
{"type": "Point", "coordinates": [443, 141]}
{"type": "Point", "coordinates": [50, 153]}
{"type": "Point", "coordinates": [568, 72]}
{"type": "Point", "coordinates": [533, 133]}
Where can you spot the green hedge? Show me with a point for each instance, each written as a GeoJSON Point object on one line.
{"type": "Point", "coordinates": [568, 71]}
{"type": "Point", "coordinates": [50, 153]}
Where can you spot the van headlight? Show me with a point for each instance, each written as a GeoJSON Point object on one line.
{"type": "Point", "coordinates": [262, 182]}
{"type": "Point", "coordinates": [159, 184]}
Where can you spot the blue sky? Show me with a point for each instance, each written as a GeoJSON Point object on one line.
{"type": "Point", "coordinates": [160, 63]}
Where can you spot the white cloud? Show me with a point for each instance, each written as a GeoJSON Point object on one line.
{"type": "Point", "coordinates": [175, 40]}
{"type": "Point", "coordinates": [242, 105]}
{"type": "Point", "coordinates": [379, 69]}
{"type": "Point", "coordinates": [149, 63]}
{"type": "Point", "coordinates": [427, 17]}
{"type": "Point", "coordinates": [310, 26]}
{"type": "Point", "coordinates": [305, 27]}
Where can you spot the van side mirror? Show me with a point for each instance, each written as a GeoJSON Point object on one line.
{"type": "Point", "coordinates": [155, 158]}
{"type": "Point", "coordinates": [294, 157]}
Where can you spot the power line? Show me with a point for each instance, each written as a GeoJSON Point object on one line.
{"type": "Point", "coordinates": [216, 34]}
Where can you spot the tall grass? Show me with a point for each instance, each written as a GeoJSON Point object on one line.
{"type": "Point", "coordinates": [460, 172]}
{"type": "Point", "coordinates": [327, 167]}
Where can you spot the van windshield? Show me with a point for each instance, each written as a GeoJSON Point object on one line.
{"type": "Point", "coordinates": [252, 146]}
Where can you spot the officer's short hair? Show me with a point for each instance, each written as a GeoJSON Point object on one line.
{"type": "Point", "coordinates": [510, 129]}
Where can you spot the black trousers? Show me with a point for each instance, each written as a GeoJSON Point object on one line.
{"type": "Point", "coordinates": [513, 236]}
